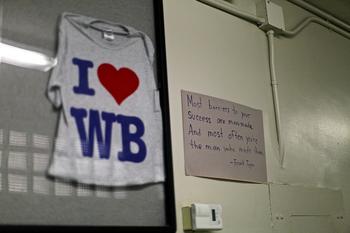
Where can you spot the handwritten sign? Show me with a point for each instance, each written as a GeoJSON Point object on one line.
{"type": "Point", "coordinates": [222, 139]}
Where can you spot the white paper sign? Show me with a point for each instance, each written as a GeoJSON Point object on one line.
{"type": "Point", "coordinates": [222, 139]}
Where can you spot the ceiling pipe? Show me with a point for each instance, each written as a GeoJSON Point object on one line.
{"type": "Point", "coordinates": [312, 19]}
{"type": "Point", "coordinates": [231, 9]}
{"type": "Point", "coordinates": [322, 14]}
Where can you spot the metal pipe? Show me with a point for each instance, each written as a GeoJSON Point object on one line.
{"type": "Point", "coordinates": [274, 85]}
{"type": "Point", "coordinates": [231, 9]}
{"type": "Point", "coordinates": [320, 13]}
{"type": "Point", "coordinates": [313, 19]}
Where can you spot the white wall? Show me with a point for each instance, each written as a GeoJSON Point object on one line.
{"type": "Point", "coordinates": [213, 53]}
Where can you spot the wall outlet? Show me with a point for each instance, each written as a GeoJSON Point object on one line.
{"type": "Point", "coordinates": [202, 217]}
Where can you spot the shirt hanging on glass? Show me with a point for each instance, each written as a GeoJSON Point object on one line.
{"type": "Point", "coordinates": [110, 132]}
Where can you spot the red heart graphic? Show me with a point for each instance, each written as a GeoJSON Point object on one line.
{"type": "Point", "coordinates": [119, 83]}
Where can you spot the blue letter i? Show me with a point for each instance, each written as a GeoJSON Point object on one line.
{"type": "Point", "coordinates": [83, 87]}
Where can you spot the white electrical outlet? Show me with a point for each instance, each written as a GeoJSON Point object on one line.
{"type": "Point", "coordinates": [206, 216]}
